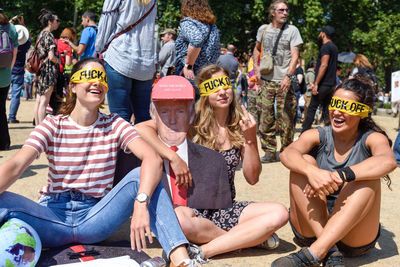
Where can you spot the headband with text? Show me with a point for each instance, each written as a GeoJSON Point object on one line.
{"type": "Point", "coordinates": [215, 84]}
{"type": "Point", "coordinates": [90, 75]}
{"type": "Point", "coordinates": [350, 107]}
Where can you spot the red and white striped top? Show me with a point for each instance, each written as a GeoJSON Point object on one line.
{"type": "Point", "coordinates": [81, 158]}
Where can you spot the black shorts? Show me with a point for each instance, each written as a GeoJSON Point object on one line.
{"type": "Point", "coordinates": [345, 249]}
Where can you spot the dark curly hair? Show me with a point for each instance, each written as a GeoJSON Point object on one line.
{"type": "Point", "coordinates": [365, 95]}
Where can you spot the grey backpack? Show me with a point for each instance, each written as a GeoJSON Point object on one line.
{"type": "Point", "coordinates": [6, 47]}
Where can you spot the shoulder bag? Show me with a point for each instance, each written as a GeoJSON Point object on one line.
{"type": "Point", "coordinates": [34, 63]}
{"type": "Point", "coordinates": [267, 59]}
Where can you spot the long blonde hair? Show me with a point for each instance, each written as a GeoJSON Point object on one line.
{"type": "Point", "coordinates": [361, 60]}
{"type": "Point", "coordinates": [204, 122]}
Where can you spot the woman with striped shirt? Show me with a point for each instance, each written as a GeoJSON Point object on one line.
{"type": "Point", "coordinates": [79, 205]}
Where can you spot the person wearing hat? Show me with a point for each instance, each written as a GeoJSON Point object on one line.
{"type": "Point", "coordinates": [5, 78]}
{"type": "Point", "coordinates": [325, 76]}
{"type": "Point", "coordinates": [18, 71]}
{"type": "Point", "coordinates": [166, 57]}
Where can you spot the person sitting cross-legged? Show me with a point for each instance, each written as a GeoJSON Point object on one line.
{"type": "Point", "coordinates": [335, 187]}
{"type": "Point", "coordinates": [216, 229]}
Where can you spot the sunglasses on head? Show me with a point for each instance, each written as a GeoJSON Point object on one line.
{"type": "Point", "coordinates": [281, 10]}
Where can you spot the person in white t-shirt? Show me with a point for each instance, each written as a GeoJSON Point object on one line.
{"type": "Point", "coordinates": [78, 205]}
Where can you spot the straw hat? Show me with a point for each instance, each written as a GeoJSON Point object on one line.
{"type": "Point", "coordinates": [23, 34]}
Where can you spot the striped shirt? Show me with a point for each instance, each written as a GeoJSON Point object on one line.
{"type": "Point", "coordinates": [81, 158]}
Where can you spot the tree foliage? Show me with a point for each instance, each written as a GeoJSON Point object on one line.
{"type": "Point", "coordinates": [370, 27]}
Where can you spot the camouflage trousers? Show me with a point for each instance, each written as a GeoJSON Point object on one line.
{"type": "Point", "coordinates": [270, 122]}
{"type": "Point", "coordinates": [252, 104]}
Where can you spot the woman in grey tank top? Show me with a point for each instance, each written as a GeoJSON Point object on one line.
{"type": "Point", "coordinates": [335, 187]}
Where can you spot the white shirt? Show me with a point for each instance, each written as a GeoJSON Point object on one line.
{"type": "Point", "coordinates": [182, 153]}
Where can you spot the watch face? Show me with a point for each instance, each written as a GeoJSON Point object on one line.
{"type": "Point", "coordinates": [142, 197]}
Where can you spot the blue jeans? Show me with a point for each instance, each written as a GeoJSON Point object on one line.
{"type": "Point", "coordinates": [396, 148]}
{"type": "Point", "coordinates": [72, 217]}
{"type": "Point", "coordinates": [127, 96]}
{"type": "Point", "coordinates": [17, 83]}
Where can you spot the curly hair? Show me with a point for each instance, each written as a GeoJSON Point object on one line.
{"type": "Point", "coordinates": [365, 95]}
{"type": "Point", "coordinates": [68, 106]}
{"type": "Point", "coordinates": [199, 10]}
{"type": "Point", "coordinates": [203, 129]}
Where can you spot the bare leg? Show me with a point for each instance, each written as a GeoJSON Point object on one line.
{"type": "Point", "coordinates": [307, 215]}
{"type": "Point", "coordinates": [355, 217]}
{"type": "Point", "coordinates": [256, 223]}
{"type": "Point", "coordinates": [42, 101]}
{"type": "Point", "coordinates": [36, 109]}
{"type": "Point", "coordinates": [178, 255]}
{"type": "Point", "coordinates": [197, 230]}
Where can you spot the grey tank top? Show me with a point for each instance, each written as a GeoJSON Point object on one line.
{"type": "Point", "coordinates": [325, 154]}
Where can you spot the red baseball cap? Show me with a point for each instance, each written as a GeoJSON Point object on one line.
{"type": "Point", "coordinates": [172, 87]}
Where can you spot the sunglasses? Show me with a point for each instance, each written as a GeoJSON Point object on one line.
{"type": "Point", "coordinates": [282, 10]}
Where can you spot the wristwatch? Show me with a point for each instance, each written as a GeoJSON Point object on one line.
{"type": "Point", "coordinates": [188, 66]}
{"type": "Point", "coordinates": [291, 77]}
{"type": "Point", "coordinates": [142, 198]}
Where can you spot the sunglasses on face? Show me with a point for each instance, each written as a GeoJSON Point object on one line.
{"type": "Point", "coordinates": [282, 10]}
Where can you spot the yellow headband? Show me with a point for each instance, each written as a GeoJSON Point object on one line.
{"type": "Point", "coordinates": [90, 75]}
{"type": "Point", "coordinates": [350, 107]}
{"type": "Point", "coordinates": [215, 84]}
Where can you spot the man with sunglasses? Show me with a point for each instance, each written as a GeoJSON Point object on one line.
{"type": "Point", "coordinates": [282, 41]}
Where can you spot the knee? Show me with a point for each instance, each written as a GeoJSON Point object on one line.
{"type": "Point", "coordinates": [186, 222]}
{"type": "Point", "coordinates": [278, 216]}
{"type": "Point", "coordinates": [282, 215]}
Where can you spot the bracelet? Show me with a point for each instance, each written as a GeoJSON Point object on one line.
{"type": "Point", "coordinates": [340, 172]}
{"type": "Point", "coordinates": [350, 175]}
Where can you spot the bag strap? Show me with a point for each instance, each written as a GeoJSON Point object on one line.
{"type": "Point", "coordinates": [208, 35]}
{"type": "Point", "coordinates": [277, 40]}
{"type": "Point", "coordinates": [262, 38]}
{"type": "Point", "coordinates": [37, 42]}
{"type": "Point", "coordinates": [130, 27]}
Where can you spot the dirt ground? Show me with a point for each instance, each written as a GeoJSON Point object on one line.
{"type": "Point", "coordinates": [273, 186]}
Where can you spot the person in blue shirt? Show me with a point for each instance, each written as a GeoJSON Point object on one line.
{"type": "Point", "coordinates": [86, 47]}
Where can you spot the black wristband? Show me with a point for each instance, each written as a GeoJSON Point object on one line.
{"type": "Point", "coordinates": [350, 175]}
{"type": "Point", "coordinates": [340, 172]}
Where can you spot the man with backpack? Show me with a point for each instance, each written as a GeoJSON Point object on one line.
{"type": "Point", "coordinates": [86, 47]}
{"type": "Point", "coordinates": [18, 71]}
{"type": "Point", "coordinates": [8, 53]}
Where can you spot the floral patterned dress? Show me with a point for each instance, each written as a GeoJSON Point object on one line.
{"type": "Point", "coordinates": [227, 218]}
{"type": "Point", "coordinates": [47, 75]}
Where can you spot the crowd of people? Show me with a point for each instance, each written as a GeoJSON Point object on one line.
{"type": "Point", "coordinates": [167, 153]}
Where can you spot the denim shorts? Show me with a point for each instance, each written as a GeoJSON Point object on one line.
{"type": "Point", "coordinates": [345, 249]}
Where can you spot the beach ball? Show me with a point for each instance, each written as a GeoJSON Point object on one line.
{"type": "Point", "coordinates": [19, 244]}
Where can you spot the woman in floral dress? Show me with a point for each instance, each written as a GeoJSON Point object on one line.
{"type": "Point", "coordinates": [47, 75]}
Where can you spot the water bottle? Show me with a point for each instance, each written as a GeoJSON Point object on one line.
{"type": "Point", "coordinates": [154, 262]}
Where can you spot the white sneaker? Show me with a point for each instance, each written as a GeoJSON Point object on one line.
{"type": "Point", "coordinates": [195, 253]}
{"type": "Point", "coordinates": [271, 243]}
{"type": "Point", "coordinates": [189, 263]}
